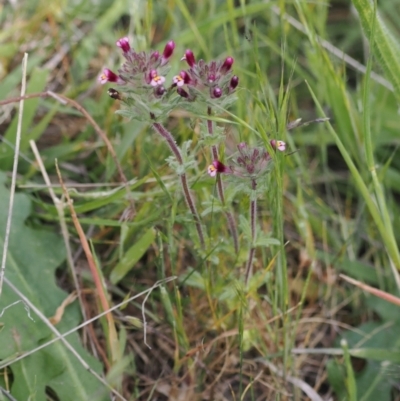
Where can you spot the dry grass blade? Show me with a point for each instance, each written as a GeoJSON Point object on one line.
{"type": "Point", "coordinates": [374, 291]}
{"type": "Point", "coordinates": [112, 332]}
{"type": "Point", "coordinates": [14, 173]}
{"type": "Point", "coordinates": [301, 384]}
{"type": "Point", "coordinates": [61, 309]}
{"type": "Point", "coordinates": [64, 229]}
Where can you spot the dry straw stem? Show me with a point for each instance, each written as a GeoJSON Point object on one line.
{"type": "Point", "coordinates": [59, 337]}
{"type": "Point", "coordinates": [61, 218]}
{"type": "Point", "coordinates": [65, 100]}
{"type": "Point", "coordinates": [301, 384]}
{"type": "Point", "coordinates": [374, 291]}
{"type": "Point", "coordinates": [14, 172]}
{"type": "Point", "coordinates": [112, 332]}
{"type": "Point", "coordinates": [65, 234]}
{"type": "Point", "coordinates": [7, 394]}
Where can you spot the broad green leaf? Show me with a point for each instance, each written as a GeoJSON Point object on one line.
{"type": "Point", "coordinates": [132, 256]}
{"type": "Point", "coordinates": [33, 256]}
{"type": "Point", "coordinates": [380, 346]}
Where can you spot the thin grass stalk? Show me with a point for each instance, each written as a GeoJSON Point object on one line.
{"type": "Point", "coordinates": [374, 291]}
{"type": "Point", "coordinates": [350, 378]}
{"type": "Point", "coordinates": [390, 244]}
{"type": "Point", "coordinates": [370, 153]}
{"type": "Point", "coordinates": [160, 129]}
{"type": "Point", "coordinates": [64, 230]}
{"type": "Point", "coordinates": [220, 190]}
{"type": "Point", "coordinates": [14, 173]}
{"type": "Point", "coordinates": [112, 337]}
{"type": "Point", "coordinates": [253, 228]}
{"type": "Point", "coordinates": [383, 43]}
{"type": "Point", "coordinates": [380, 221]}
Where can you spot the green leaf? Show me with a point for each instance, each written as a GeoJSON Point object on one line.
{"type": "Point", "coordinates": [264, 240]}
{"type": "Point", "coordinates": [380, 348]}
{"type": "Point", "coordinates": [132, 256]}
{"type": "Point", "coordinates": [33, 256]}
{"type": "Point", "coordinates": [245, 227]}
{"type": "Point", "coordinates": [337, 376]}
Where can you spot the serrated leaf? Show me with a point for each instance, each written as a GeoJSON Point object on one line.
{"type": "Point", "coordinates": [33, 256]}
{"type": "Point", "coordinates": [245, 226]}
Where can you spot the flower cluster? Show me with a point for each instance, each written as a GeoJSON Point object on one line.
{"type": "Point", "coordinates": [142, 73]}
{"type": "Point", "coordinates": [249, 162]}
{"type": "Point", "coordinates": [213, 80]}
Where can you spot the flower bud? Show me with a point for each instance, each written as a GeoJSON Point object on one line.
{"type": "Point", "coordinates": [217, 92]}
{"type": "Point", "coordinates": [211, 78]}
{"type": "Point", "coordinates": [227, 65]}
{"type": "Point", "coordinates": [255, 154]}
{"type": "Point", "coordinates": [234, 82]}
{"type": "Point", "coordinates": [183, 93]}
{"type": "Point", "coordinates": [189, 58]}
{"type": "Point", "coordinates": [114, 94]}
{"type": "Point", "coordinates": [159, 91]}
{"type": "Point", "coordinates": [168, 50]}
{"type": "Point", "coordinates": [155, 56]}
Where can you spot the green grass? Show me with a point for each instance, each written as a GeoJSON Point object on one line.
{"type": "Point", "coordinates": [295, 331]}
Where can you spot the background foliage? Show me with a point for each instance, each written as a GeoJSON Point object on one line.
{"type": "Point", "coordinates": [298, 331]}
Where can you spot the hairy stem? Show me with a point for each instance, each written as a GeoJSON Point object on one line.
{"type": "Point", "coordinates": [160, 129]}
{"type": "Point", "coordinates": [192, 207]}
{"type": "Point", "coordinates": [220, 190]}
{"type": "Point", "coordinates": [252, 249]}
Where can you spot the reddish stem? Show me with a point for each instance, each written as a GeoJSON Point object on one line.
{"type": "Point", "coordinates": [160, 129]}
{"type": "Point", "coordinates": [220, 189]}
{"type": "Point", "coordinates": [252, 249]}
